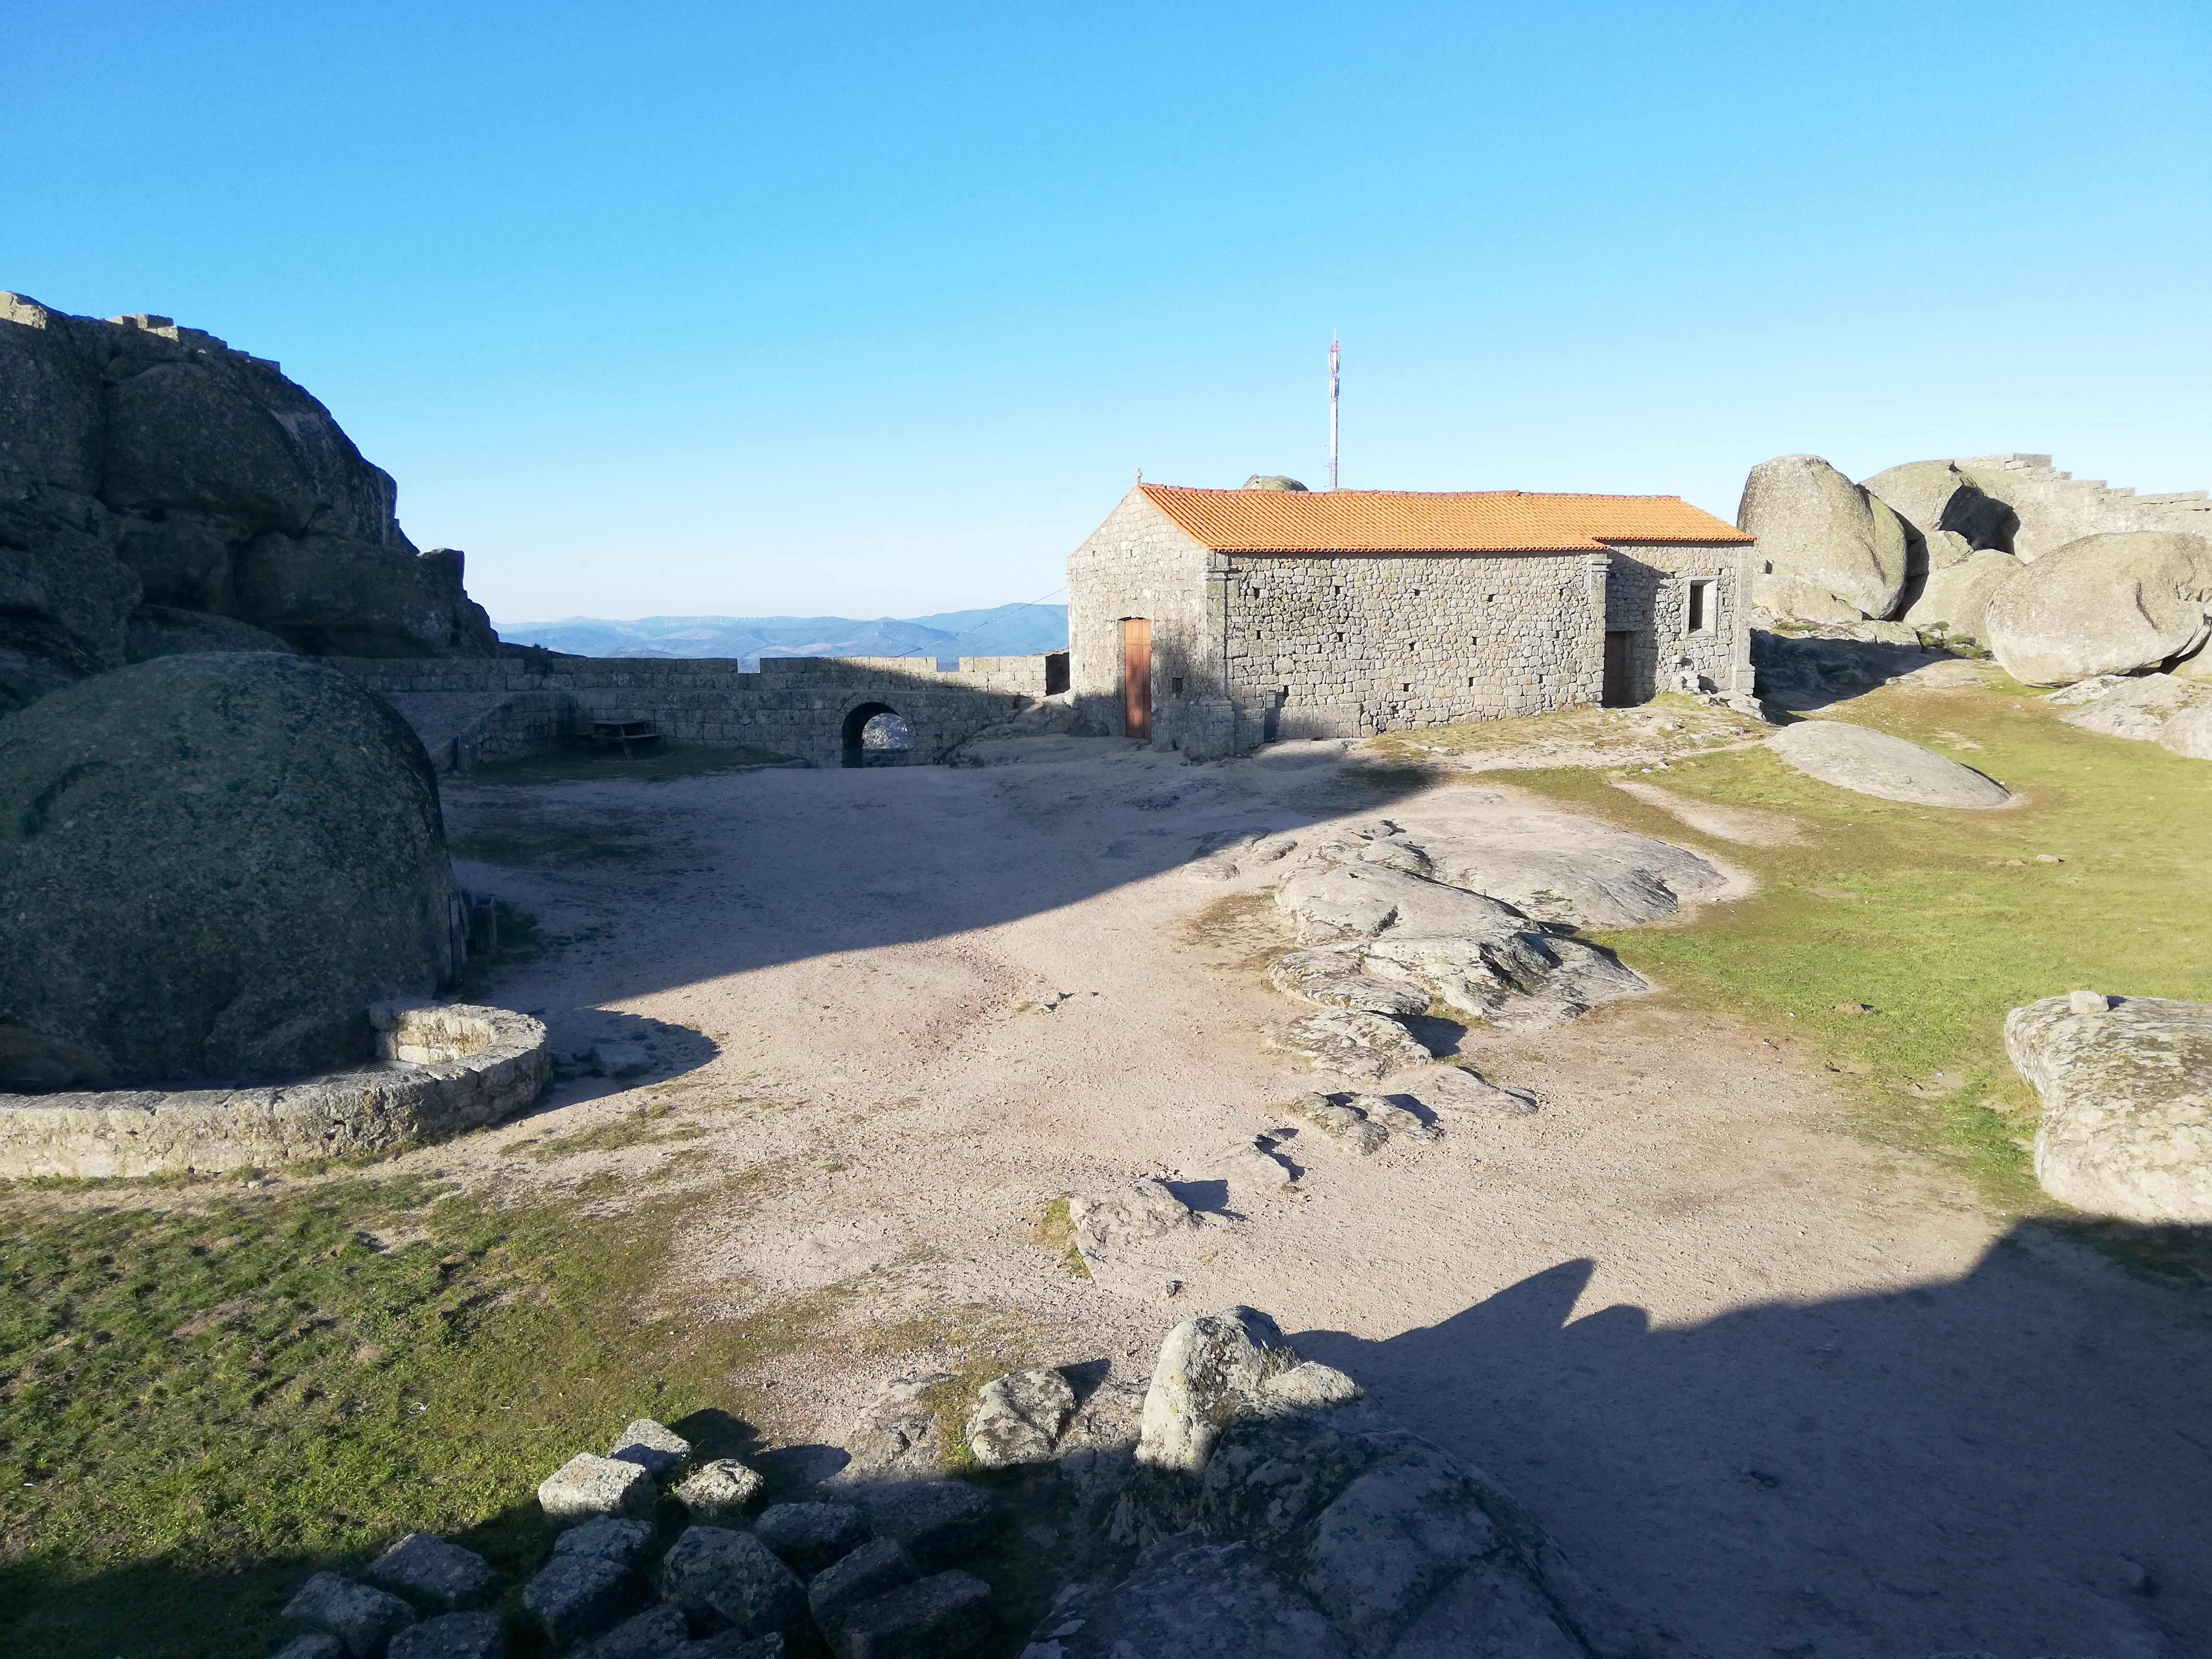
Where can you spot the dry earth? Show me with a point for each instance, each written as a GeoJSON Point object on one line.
{"type": "Point", "coordinates": [1777, 1387]}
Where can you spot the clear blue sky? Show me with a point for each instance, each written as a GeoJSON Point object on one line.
{"type": "Point", "coordinates": [663, 307]}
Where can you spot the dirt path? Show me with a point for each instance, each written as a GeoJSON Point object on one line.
{"type": "Point", "coordinates": [1776, 1388]}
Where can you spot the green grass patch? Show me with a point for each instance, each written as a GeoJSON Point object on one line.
{"type": "Point", "coordinates": [656, 763]}
{"type": "Point", "coordinates": [1054, 1231]}
{"type": "Point", "coordinates": [199, 1407]}
{"type": "Point", "coordinates": [642, 1125]}
{"type": "Point", "coordinates": [1941, 921]}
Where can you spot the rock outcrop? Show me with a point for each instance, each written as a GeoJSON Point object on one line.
{"type": "Point", "coordinates": [1955, 598]}
{"type": "Point", "coordinates": [2103, 605]}
{"type": "Point", "coordinates": [2126, 1087]}
{"type": "Point", "coordinates": [1828, 551]}
{"type": "Point", "coordinates": [2136, 706]}
{"type": "Point", "coordinates": [1478, 916]}
{"type": "Point", "coordinates": [1875, 763]}
{"type": "Point", "coordinates": [143, 465]}
{"type": "Point", "coordinates": [214, 864]}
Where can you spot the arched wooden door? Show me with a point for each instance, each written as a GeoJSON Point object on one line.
{"type": "Point", "coordinates": [1137, 676]}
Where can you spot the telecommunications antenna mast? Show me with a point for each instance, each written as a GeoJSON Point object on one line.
{"type": "Point", "coordinates": [1333, 355]}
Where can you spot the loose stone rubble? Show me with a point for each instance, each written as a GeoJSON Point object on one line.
{"type": "Point", "coordinates": [1259, 1504]}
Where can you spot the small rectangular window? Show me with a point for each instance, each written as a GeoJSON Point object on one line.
{"type": "Point", "coordinates": [1701, 607]}
{"type": "Point", "coordinates": [1175, 686]}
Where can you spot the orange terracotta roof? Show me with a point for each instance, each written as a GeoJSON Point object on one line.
{"type": "Point", "coordinates": [1422, 521]}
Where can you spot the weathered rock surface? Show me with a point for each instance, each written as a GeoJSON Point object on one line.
{"type": "Point", "coordinates": [1187, 1599]}
{"type": "Point", "coordinates": [1399, 1120]}
{"type": "Point", "coordinates": [653, 1634]}
{"type": "Point", "coordinates": [214, 864]}
{"type": "Point", "coordinates": [808, 1536]}
{"type": "Point", "coordinates": [572, 1596]}
{"type": "Point", "coordinates": [363, 1618]}
{"type": "Point", "coordinates": [1828, 551]}
{"type": "Point", "coordinates": [158, 631]}
{"type": "Point", "coordinates": [141, 462]}
{"type": "Point", "coordinates": [896, 1433]}
{"type": "Point", "coordinates": [625, 1543]}
{"type": "Point", "coordinates": [1354, 1044]}
{"type": "Point", "coordinates": [717, 1576]}
{"type": "Point", "coordinates": [653, 1447]}
{"type": "Point", "coordinates": [1333, 977]}
{"type": "Point", "coordinates": [2126, 1087]}
{"type": "Point", "coordinates": [1209, 1369]}
{"type": "Point", "coordinates": [1573, 870]}
{"type": "Point", "coordinates": [587, 1486]}
{"type": "Point", "coordinates": [723, 1486]}
{"type": "Point", "coordinates": [312, 1646]}
{"type": "Point", "coordinates": [1935, 498]}
{"type": "Point", "coordinates": [1129, 1230]}
{"type": "Point", "coordinates": [445, 1575]}
{"type": "Point", "coordinates": [452, 1636]}
{"type": "Point", "coordinates": [1018, 1417]}
{"type": "Point", "coordinates": [870, 1570]}
{"type": "Point", "coordinates": [2103, 605]}
{"type": "Point", "coordinates": [2188, 734]}
{"type": "Point", "coordinates": [2138, 707]}
{"type": "Point", "coordinates": [1478, 955]}
{"type": "Point", "coordinates": [1250, 1163]}
{"type": "Point", "coordinates": [1956, 599]}
{"type": "Point", "coordinates": [1456, 1089]}
{"type": "Point", "coordinates": [1341, 1121]}
{"type": "Point", "coordinates": [1876, 763]}
{"type": "Point", "coordinates": [935, 1618]}
{"type": "Point", "coordinates": [1803, 671]}
{"type": "Point", "coordinates": [934, 1522]}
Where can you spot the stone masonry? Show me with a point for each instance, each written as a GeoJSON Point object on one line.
{"type": "Point", "coordinates": [1252, 644]}
{"type": "Point", "coordinates": [477, 710]}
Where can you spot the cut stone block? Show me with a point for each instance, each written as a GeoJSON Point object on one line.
{"type": "Point", "coordinates": [711, 1572]}
{"type": "Point", "coordinates": [652, 1446]}
{"type": "Point", "coordinates": [724, 1486]}
{"type": "Point", "coordinates": [573, 1595]}
{"type": "Point", "coordinates": [866, 1573]}
{"type": "Point", "coordinates": [653, 1634]}
{"type": "Point", "coordinates": [586, 1484]}
{"type": "Point", "coordinates": [625, 1543]}
{"type": "Point", "coordinates": [426, 1567]}
{"type": "Point", "coordinates": [933, 1521]}
{"type": "Point", "coordinates": [809, 1535]}
{"type": "Point", "coordinates": [452, 1636]}
{"type": "Point", "coordinates": [931, 1618]}
{"type": "Point", "coordinates": [364, 1619]}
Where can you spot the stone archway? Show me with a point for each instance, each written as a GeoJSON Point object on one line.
{"type": "Point", "coordinates": [890, 743]}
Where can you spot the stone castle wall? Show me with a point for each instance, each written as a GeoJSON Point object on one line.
{"type": "Point", "coordinates": [796, 705]}
{"type": "Point", "coordinates": [1649, 595]}
{"type": "Point", "coordinates": [1351, 645]}
{"type": "Point", "coordinates": [1138, 564]}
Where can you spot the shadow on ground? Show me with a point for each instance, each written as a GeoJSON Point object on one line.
{"type": "Point", "coordinates": [1943, 1454]}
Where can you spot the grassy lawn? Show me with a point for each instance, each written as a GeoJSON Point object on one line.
{"type": "Point", "coordinates": [1939, 920]}
{"type": "Point", "coordinates": [199, 1405]}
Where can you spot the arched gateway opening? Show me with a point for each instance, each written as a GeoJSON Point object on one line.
{"type": "Point", "coordinates": [876, 734]}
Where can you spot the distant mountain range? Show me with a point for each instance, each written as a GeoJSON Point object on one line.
{"type": "Point", "coordinates": [1007, 631]}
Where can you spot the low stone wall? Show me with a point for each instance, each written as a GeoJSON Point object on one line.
{"type": "Point", "coordinates": [798, 706]}
{"type": "Point", "coordinates": [442, 1069]}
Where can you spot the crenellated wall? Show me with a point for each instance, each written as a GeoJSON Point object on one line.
{"type": "Point", "coordinates": [472, 710]}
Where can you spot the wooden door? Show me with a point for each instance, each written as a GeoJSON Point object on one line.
{"type": "Point", "coordinates": [1137, 676]}
{"type": "Point", "coordinates": [1616, 694]}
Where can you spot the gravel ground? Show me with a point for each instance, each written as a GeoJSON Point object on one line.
{"type": "Point", "coordinates": [1777, 1387]}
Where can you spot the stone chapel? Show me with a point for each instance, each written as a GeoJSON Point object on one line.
{"type": "Point", "coordinates": [1213, 621]}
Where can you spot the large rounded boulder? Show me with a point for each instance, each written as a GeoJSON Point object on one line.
{"type": "Point", "coordinates": [210, 865]}
{"type": "Point", "coordinates": [2103, 605]}
{"type": "Point", "coordinates": [1956, 597]}
{"type": "Point", "coordinates": [1828, 551]}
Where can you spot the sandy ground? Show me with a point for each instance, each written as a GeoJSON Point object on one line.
{"type": "Point", "coordinates": [1777, 1388]}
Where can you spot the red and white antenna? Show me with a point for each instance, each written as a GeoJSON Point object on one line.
{"type": "Point", "coordinates": [1334, 354]}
